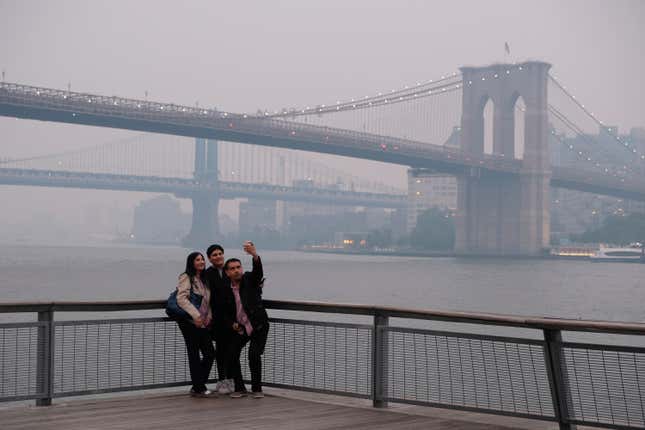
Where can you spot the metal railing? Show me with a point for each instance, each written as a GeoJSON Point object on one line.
{"type": "Point", "coordinates": [542, 378]}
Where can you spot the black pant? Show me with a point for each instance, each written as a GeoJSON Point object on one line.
{"type": "Point", "coordinates": [222, 353]}
{"type": "Point", "coordinates": [198, 340]}
{"type": "Point", "coordinates": [258, 341]}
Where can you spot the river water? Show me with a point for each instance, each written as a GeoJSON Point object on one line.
{"type": "Point", "coordinates": [555, 288]}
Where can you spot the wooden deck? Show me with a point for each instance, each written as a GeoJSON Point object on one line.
{"type": "Point", "coordinates": [177, 411]}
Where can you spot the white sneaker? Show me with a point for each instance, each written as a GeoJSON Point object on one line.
{"type": "Point", "coordinates": [222, 387]}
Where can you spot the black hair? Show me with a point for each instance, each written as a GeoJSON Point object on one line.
{"type": "Point", "coordinates": [190, 266]}
{"type": "Point", "coordinates": [231, 260]}
{"type": "Point", "coordinates": [212, 248]}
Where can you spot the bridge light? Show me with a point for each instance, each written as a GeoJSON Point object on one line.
{"type": "Point", "coordinates": [483, 78]}
{"type": "Point", "coordinates": [508, 72]}
{"type": "Point", "coordinates": [495, 75]}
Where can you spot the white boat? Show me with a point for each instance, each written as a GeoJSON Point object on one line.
{"type": "Point", "coordinates": [633, 252]}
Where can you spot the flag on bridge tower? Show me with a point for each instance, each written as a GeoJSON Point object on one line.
{"type": "Point", "coordinates": [507, 48]}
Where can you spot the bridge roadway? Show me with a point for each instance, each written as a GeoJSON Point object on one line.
{"type": "Point", "coordinates": [185, 187]}
{"type": "Point", "coordinates": [28, 102]}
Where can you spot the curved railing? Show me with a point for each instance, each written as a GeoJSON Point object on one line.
{"type": "Point", "coordinates": [475, 368]}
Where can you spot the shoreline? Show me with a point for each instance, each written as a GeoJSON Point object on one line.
{"type": "Point", "coordinates": [450, 254]}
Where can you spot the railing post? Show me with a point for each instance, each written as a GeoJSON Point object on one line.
{"type": "Point", "coordinates": [558, 381]}
{"type": "Point", "coordinates": [379, 360]}
{"type": "Point", "coordinates": [45, 360]}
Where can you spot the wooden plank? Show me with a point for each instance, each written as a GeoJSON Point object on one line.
{"type": "Point", "coordinates": [177, 411]}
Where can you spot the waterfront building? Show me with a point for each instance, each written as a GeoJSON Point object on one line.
{"type": "Point", "coordinates": [160, 220]}
{"type": "Point", "coordinates": [427, 189]}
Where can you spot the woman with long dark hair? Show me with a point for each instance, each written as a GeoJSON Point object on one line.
{"type": "Point", "coordinates": [196, 329]}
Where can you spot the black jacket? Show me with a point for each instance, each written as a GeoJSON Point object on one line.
{"type": "Point", "coordinates": [215, 283]}
{"type": "Point", "coordinates": [250, 296]}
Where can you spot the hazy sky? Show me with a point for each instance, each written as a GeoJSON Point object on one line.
{"type": "Point", "coordinates": [240, 56]}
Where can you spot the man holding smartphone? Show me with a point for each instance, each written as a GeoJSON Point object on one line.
{"type": "Point", "coordinates": [242, 312]}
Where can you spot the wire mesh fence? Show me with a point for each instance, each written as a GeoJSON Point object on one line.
{"type": "Point", "coordinates": [111, 355]}
{"type": "Point", "coordinates": [468, 372]}
{"type": "Point", "coordinates": [318, 356]}
{"type": "Point", "coordinates": [22, 346]}
{"type": "Point", "coordinates": [606, 384]}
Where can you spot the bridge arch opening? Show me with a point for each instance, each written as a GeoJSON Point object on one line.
{"type": "Point", "coordinates": [488, 115]}
{"type": "Point", "coordinates": [518, 110]}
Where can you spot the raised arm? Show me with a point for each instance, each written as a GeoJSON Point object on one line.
{"type": "Point", "coordinates": [256, 273]}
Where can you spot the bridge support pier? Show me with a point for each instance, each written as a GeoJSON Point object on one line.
{"type": "Point", "coordinates": [205, 226]}
{"type": "Point", "coordinates": [505, 214]}
{"type": "Point", "coordinates": [501, 217]}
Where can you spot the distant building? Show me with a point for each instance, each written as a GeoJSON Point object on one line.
{"type": "Point", "coordinates": [257, 214]}
{"type": "Point", "coordinates": [573, 212]}
{"type": "Point", "coordinates": [160, 220]}
{"type": "Point", "coordinates": [427, 188]}
{"type": "Point", "coordinates": [353, 240]}
{"type": "Point", "coordinates": [321, 228]}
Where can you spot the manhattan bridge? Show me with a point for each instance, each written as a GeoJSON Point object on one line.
{"type": "Point", "coordinates": [495, 128]}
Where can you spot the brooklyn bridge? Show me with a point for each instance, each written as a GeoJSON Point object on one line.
{"type": "Point", "coordinates": [504, 166]}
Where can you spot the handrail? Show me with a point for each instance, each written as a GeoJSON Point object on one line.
{"type": "Point", "coordinates": [530, 322]}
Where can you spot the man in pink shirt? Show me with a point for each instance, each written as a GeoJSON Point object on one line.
{"type": "Point", "coordinates": [240, 310]}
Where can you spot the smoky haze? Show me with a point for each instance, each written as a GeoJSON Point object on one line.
{"type": "Point", "coordinates": [244, 56]}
